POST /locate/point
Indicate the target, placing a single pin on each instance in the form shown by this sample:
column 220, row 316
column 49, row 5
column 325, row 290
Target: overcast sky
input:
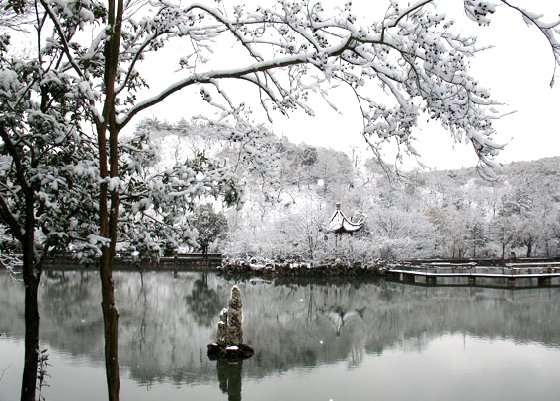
column 517, row 70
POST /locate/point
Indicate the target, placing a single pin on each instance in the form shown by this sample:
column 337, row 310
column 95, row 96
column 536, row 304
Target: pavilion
column 340, row 224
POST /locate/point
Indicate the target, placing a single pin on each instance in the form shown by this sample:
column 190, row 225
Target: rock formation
column 221, row 335
column 229, row 336
column 234, row 318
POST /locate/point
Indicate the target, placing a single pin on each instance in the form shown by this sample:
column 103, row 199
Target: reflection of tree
column 2, row 372
column 63, row 291
column 140, row 336
column 204, row 303
column 70, row 306
column 356, row 356
column 288, row 325
column 229, row 378
column 311, row 307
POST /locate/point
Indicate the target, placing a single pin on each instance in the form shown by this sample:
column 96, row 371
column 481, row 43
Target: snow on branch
column 550, row 30
column 11, row 262
column 423, row 65
column 410, row 63
column 478, row 11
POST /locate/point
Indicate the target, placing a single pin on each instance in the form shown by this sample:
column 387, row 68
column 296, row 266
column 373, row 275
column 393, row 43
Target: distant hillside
column 290, row 191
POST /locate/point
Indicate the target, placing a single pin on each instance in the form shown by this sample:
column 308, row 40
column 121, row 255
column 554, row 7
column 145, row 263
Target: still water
column 314, row 341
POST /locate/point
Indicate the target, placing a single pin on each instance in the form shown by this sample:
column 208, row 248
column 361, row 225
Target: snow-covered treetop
column 409, row 62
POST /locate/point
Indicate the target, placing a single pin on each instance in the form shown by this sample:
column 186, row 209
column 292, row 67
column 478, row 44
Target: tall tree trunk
column 110, row 310
column 108, row 222
column 108, row 304
column 31, row 279
column 31, row 269
column 108, row 166
column 111, row 325
column 29, row 379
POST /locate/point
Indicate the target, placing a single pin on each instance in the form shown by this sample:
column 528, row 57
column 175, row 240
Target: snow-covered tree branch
column 409, row 63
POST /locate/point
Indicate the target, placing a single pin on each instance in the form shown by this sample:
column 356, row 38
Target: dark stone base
column 217, row 351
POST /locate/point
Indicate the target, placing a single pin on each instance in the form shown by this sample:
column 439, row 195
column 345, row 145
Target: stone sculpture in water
column 229, row 341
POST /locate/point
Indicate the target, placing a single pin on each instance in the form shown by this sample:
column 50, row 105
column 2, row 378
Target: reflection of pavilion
column 338, row 317
column 340, row 224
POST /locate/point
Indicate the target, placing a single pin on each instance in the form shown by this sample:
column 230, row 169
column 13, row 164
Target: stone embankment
column 178, row 262
column 294, row 269
column 339, row 268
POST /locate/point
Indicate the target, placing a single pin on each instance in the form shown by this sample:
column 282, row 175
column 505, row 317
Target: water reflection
column 167, row 319
column 229, row 378
column 204, row 302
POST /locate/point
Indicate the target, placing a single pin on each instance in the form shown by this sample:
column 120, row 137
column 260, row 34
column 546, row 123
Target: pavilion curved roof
column 339, row 223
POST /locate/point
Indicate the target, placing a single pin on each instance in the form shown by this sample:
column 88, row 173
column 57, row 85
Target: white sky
column 517, row 71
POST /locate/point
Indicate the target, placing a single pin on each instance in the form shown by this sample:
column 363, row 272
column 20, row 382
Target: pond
column 315, row 341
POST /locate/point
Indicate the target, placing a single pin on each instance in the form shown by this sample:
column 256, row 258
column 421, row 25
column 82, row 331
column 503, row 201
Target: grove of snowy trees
column 447, row 214
column 73, row 77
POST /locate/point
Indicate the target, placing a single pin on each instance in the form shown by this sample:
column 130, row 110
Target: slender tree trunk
column 110, row 310
column 529, row 249
column 31, row 279
column 111, row 325
column 108, row 304
column 108, row 166
column 29, row 379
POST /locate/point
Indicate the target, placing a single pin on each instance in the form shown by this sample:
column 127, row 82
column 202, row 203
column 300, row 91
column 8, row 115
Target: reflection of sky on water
column 314, row 342
column 451, row 367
